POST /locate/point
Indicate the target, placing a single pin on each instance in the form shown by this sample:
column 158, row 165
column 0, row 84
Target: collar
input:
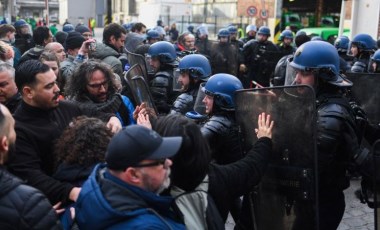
column 35, row 111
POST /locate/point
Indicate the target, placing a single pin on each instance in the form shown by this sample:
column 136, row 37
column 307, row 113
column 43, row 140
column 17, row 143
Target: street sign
column 251, row 11
column 263, row 13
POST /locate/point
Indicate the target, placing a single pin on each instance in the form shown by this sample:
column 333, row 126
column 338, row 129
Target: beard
column 147, row 181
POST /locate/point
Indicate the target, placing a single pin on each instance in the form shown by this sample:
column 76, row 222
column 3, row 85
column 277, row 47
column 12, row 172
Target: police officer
column 280, row 70
column 341, row 44
column 152, row 36
column 194, row 69
column 286, row 45
column 202, row 43
column 361, row 48
column 316, row 64
column 224, row 55
column 234, row 37
column 23, row 37
column 163, row 60
column 260, row 57
column 250, row 30
column 374, row 65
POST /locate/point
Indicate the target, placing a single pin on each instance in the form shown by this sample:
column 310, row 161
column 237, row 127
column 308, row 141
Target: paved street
column 356, row 217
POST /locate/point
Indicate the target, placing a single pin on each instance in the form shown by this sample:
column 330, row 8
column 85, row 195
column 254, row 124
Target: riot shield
column 286, row 197
column 365, row 91
column 134, row 59
column 376, row 160
column 199, row 109
column 138, row 88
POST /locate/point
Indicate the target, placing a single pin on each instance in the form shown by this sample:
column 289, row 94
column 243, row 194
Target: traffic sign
column 263, row 13
column 251, row 11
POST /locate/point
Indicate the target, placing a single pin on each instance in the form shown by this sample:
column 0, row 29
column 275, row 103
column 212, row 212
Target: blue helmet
column 232, row 29
column 190, row 28
column 68, row 28
column 376, row 56
column 128, row 26
column 321, row 58
column 164, row 51
column 223, row 33
column 264, row 30
column 341, row 43
column 286, row 34
column 197, row 65
column 300, row 32
column 202, row 30
column 152, row 34
column 222, row 87
column 250, row 28
column 364, row 42
column 20, row 23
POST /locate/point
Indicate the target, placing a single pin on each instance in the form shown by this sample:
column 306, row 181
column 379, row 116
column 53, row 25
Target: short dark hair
column 5, row 28
column 113, row 29
column 27, row 71
column 83, row 143
column 40, row 34
column 76, row 87
column 138, row 27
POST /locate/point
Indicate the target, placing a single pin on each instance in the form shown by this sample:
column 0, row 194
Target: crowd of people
column 79, row 150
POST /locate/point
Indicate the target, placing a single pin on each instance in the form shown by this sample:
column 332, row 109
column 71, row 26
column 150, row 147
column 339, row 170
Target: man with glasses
column 123, row 193
column 84, row 31
column 92, row 86
column 40, row 120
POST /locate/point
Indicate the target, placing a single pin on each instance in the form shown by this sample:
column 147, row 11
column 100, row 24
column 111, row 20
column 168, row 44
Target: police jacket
column 37, row 129
column 24, row 207
column 222, row 134
column 224, row 58
column 334, row 121
column 185, row 101
column 108, row 55
column 161, row 87
column 113, row 204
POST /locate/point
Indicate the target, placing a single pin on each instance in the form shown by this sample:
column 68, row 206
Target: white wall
column 365, row 17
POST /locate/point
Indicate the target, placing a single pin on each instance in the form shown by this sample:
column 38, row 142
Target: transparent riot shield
column 286, row 197
column 177, row 87
column 199, row 110
column 138, row 88
column 376, row 160
column 365, row 91
column 134, row 59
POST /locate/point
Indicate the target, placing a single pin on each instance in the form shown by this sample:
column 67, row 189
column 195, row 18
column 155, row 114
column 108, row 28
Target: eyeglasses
column 156, row 163
column 99, row 85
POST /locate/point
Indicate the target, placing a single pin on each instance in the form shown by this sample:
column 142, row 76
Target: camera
column 92, row 46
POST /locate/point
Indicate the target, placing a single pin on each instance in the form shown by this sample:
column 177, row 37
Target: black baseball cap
column 136, row 143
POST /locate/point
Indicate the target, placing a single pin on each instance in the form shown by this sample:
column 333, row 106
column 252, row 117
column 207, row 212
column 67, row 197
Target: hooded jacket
column 108, row 55
column 113, row 204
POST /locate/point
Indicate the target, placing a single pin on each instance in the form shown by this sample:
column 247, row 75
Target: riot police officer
column 316, row 64
column 202, row 43
column 286, row 45
column 224, row 55
column 374, row 65
column 361, row 48
column 23, row 38
column 233, row 37
column 152, row 36
column 341, row 44
column 163, row 60
column 260, row 57
column 251, row 31
column 193, row 69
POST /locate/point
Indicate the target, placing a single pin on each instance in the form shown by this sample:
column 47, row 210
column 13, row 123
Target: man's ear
column 4, row 145
column 112, row 39
column 132, row 176
column 27, row 91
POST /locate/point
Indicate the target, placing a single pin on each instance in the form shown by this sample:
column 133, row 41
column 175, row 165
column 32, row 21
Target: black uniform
column 260, row 59
column 185, row 101
column 224, row 58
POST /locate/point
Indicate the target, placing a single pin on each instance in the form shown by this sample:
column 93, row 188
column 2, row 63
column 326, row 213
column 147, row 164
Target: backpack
column 198, row 207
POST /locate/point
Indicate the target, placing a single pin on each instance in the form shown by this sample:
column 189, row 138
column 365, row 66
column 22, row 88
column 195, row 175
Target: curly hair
column 76, row 86
column 84, row 142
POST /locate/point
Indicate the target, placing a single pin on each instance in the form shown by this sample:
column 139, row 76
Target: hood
column 102, row 51
column 125, row 203
column 75, row 173
column 132, row 41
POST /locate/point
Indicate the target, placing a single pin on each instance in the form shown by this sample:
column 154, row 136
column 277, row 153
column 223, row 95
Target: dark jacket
column 13, row 103
column 33, row 160
column 24, row 207
column 228, row 182
column 32, row 54
column 110, row 203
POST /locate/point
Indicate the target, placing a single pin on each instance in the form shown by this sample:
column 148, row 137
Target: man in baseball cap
column 124, row 191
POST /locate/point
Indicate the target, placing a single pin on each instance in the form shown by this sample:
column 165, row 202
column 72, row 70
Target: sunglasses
column 156, row 163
